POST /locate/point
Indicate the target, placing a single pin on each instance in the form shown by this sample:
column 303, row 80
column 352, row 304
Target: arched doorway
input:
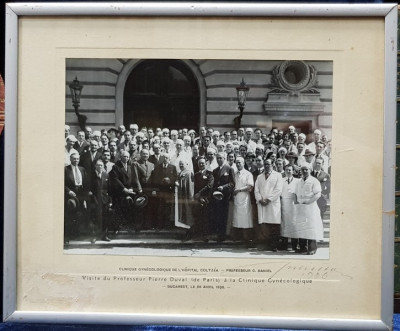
column 162, row 93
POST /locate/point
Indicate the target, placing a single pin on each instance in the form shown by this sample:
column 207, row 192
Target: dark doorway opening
column 162, row 93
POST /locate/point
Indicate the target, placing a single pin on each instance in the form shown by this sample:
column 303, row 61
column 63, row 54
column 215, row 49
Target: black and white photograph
column 200, row 158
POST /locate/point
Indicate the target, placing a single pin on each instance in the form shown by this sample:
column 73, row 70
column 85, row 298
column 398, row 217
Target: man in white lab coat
column 267, row 191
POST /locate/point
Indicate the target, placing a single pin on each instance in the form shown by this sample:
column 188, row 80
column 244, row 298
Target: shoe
column 105, row 238
column 250, row 244
column 93, row 240
column 66, row 242
column 312, row 252
column 274, row 249
column 301, row 250
column 262, row 247
column 220, row 239
column 203, row 239
column 187, row 237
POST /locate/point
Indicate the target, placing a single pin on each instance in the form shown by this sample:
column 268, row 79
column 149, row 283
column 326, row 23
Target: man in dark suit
column 114, row 154
column 206, row 142
column 144, row 168
column 76, row 194
column 157, row 158
column 203, row 183
column 164, row 178
column 195, row 158
column 101, row 202
column 106, row 156
column 325, row 181
column 89, row 158
column 124, row 185
column 81, row 145
column 250, row 162
column 224, row 183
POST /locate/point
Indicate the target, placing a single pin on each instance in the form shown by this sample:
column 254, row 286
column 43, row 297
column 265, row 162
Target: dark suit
column 203, row 183
column 145, row 217
column 223, row 176
column 325, row 181
column 69, row 182
column 153, row 159
column 165, row 194
column 88, row 164
column 114, row 157
column 203, row 150
column 252, row 167
column 160, row 173
column 81, row 148
column 144, row 172
column 75, row 211
column 123, row 179
column 100, row 188
column 195, row 160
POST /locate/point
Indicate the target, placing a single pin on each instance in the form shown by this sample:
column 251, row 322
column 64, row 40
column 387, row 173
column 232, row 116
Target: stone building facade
column 192, row 93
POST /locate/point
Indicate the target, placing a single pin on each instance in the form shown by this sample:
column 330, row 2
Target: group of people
column 259, row 187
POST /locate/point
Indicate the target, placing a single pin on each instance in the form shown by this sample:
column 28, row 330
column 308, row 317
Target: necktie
column 105, row 167
column 78, row 179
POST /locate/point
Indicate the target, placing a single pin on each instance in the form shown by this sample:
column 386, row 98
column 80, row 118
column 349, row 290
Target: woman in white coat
column 267, row 191
column 242, row 220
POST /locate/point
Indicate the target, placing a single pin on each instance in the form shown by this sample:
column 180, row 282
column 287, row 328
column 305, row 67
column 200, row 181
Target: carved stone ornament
column 293, row 89
column 294, row 77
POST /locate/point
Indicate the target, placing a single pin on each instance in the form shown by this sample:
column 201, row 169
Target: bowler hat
column 72, row 203
column 308, row 152
column 292, row 154
column 141, row 200
column 218, row 195
column 128, row 201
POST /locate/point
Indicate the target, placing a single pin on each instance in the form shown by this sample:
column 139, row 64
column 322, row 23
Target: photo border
column 13, row 11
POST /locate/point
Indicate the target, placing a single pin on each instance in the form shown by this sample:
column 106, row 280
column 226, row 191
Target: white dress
column 288, row 225
column 308, row 218
column 242, row 211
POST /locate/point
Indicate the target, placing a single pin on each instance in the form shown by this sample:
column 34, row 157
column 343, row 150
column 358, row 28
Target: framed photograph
column 224, row 164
